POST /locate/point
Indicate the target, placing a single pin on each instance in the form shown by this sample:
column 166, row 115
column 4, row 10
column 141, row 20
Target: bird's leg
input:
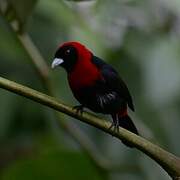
column 79, row 109
column 115, row 122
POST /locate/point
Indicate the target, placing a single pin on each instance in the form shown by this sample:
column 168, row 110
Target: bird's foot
column 114, row 126
column 79, row 109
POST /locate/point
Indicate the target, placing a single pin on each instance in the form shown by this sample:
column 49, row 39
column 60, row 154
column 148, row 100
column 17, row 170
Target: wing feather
column 113, row 80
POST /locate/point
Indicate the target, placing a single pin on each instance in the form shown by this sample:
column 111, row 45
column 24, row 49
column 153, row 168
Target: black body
column 108, row 95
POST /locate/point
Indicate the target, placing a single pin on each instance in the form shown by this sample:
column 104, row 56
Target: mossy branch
column 169, row 162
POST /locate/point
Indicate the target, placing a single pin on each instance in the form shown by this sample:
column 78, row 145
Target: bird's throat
column 84, row 74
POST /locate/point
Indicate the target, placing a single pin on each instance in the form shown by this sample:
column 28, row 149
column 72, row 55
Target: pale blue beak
column 56, row 62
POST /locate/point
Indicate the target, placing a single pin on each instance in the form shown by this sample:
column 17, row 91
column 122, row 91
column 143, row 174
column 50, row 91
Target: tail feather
column 126, row 123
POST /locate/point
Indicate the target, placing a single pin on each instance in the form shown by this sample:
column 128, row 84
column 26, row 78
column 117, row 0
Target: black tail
column 126, row 123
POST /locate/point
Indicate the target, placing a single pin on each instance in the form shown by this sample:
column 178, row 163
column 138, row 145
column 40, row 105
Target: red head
column 68, row 55
column 75, row 58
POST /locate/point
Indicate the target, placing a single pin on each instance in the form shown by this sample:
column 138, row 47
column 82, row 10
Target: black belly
column 100, row 100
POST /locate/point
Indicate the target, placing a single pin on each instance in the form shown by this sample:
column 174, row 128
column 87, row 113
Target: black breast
column 100, row 99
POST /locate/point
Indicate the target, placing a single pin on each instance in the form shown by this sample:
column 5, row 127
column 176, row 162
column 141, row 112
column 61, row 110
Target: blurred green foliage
column 139, row 38
column 20, row 13
column 54, row 164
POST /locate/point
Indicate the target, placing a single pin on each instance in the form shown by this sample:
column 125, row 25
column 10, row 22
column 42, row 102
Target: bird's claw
column 79, row 109
column 115, row 126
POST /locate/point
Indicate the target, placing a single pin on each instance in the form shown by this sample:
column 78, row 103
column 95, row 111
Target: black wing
column 113, row 80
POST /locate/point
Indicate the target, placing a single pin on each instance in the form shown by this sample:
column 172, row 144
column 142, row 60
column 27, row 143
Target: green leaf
column 53, row 165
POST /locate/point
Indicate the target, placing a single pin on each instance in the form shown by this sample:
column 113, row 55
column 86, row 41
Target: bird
column 96, row 84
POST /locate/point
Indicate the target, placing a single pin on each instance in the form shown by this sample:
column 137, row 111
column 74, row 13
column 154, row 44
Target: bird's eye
column 67, row 52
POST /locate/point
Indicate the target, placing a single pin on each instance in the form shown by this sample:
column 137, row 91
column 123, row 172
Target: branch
column 169, row 162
